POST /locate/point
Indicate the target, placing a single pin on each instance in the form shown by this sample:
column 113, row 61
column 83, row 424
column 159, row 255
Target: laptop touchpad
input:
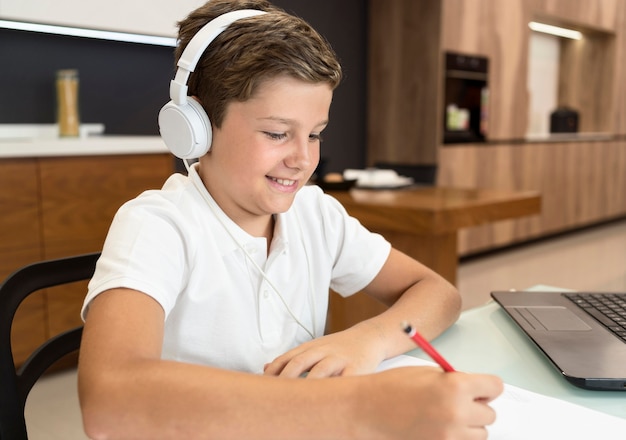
column 556, row 318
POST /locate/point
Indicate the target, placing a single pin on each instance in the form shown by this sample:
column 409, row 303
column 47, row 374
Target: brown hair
column 253, row 50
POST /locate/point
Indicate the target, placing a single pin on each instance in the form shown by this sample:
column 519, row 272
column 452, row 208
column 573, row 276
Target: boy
column 209, row 300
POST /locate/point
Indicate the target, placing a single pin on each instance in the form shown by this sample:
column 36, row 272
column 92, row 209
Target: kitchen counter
column 58, row 198
column 104, row 145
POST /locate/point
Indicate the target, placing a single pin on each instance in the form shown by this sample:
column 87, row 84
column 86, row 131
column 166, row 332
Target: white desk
column 486, row 340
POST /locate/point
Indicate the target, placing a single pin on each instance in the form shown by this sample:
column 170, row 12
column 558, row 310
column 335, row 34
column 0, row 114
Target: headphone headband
column 197, row 45
column 183, row 123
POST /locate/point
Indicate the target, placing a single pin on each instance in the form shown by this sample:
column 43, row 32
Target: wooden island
column 424, row 223
column 57, row 198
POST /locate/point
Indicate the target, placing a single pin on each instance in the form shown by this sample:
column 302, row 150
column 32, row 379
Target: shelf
column 570, row 137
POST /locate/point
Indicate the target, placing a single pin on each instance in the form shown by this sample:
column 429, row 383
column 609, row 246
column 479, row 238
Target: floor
column 592, row 259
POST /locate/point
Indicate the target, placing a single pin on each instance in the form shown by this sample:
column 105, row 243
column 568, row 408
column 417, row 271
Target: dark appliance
column 466, row 97
column 564, row 120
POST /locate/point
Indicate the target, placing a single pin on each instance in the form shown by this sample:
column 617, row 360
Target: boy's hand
column 345, row 353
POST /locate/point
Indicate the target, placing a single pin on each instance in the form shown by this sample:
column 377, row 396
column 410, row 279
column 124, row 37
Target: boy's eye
column 316, row 137
column 275, row 136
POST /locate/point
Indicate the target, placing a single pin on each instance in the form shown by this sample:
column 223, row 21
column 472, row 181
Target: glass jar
column 67, row 102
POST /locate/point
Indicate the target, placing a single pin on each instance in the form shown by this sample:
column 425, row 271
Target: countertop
column 81, row 146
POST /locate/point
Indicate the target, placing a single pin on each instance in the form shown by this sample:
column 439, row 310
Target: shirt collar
column 231, row 231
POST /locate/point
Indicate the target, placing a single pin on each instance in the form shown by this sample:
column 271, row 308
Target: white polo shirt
column 197, row 264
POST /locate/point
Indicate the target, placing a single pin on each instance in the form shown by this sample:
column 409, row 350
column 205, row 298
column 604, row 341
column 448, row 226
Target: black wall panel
column 123, row 85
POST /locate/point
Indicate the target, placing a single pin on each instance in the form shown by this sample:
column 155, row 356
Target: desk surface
column 435, row 209
column 486, row 340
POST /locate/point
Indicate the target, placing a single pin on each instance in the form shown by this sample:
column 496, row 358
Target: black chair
column 15, row 385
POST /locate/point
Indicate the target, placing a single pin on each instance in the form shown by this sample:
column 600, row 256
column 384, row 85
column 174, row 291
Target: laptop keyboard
column 609, row 309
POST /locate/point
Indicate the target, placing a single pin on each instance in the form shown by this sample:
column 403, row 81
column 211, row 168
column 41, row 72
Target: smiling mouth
column 284, row 182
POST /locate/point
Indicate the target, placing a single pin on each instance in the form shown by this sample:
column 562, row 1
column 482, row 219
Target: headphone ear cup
column 185, row 129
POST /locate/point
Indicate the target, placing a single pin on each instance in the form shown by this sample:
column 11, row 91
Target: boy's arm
column 413, row 292
column 127, row 391
column 416, row 294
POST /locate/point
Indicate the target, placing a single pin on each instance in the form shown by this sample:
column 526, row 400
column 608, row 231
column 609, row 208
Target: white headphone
column 183, row 123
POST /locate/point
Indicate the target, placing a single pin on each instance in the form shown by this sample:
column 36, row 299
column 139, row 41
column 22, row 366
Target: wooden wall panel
column 499, row 31
column 618, row 85
column 404, row 79
column 581, row 183
column 585, row 69
column 592, row 69
column 596, row 14
column 19, row 205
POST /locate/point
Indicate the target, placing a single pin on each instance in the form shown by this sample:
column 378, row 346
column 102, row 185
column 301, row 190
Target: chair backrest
column 16, row 384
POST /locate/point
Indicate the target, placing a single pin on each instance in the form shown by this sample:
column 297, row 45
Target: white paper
column 526, row 415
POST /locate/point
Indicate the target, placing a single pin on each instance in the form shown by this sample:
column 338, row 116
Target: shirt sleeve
column 143, row 251
column 358, row 254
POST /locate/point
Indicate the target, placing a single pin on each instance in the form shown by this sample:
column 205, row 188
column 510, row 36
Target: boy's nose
column 301, row 155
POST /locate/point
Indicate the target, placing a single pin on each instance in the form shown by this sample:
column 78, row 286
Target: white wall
column 543, row 77
column 152, row 17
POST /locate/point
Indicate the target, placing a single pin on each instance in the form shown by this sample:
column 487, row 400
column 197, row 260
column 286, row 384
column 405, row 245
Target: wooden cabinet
column 20, row 244
column 581, row 183
column 580, row 180
column 59, row 206
column 403, row 81
column 499, row 30
column 407, row 40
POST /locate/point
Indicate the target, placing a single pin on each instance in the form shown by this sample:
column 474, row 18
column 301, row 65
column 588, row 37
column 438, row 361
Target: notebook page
column 523, row 414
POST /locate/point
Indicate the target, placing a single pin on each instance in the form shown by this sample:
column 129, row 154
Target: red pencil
column 429, row 349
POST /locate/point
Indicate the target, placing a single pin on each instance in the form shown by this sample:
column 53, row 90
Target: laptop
column 582, row 333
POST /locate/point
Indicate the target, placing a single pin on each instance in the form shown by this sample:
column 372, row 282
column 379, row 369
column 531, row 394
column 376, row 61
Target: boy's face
column 267, row 148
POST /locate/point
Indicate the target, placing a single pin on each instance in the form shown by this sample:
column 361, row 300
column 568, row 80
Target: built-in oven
column 466, row 96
